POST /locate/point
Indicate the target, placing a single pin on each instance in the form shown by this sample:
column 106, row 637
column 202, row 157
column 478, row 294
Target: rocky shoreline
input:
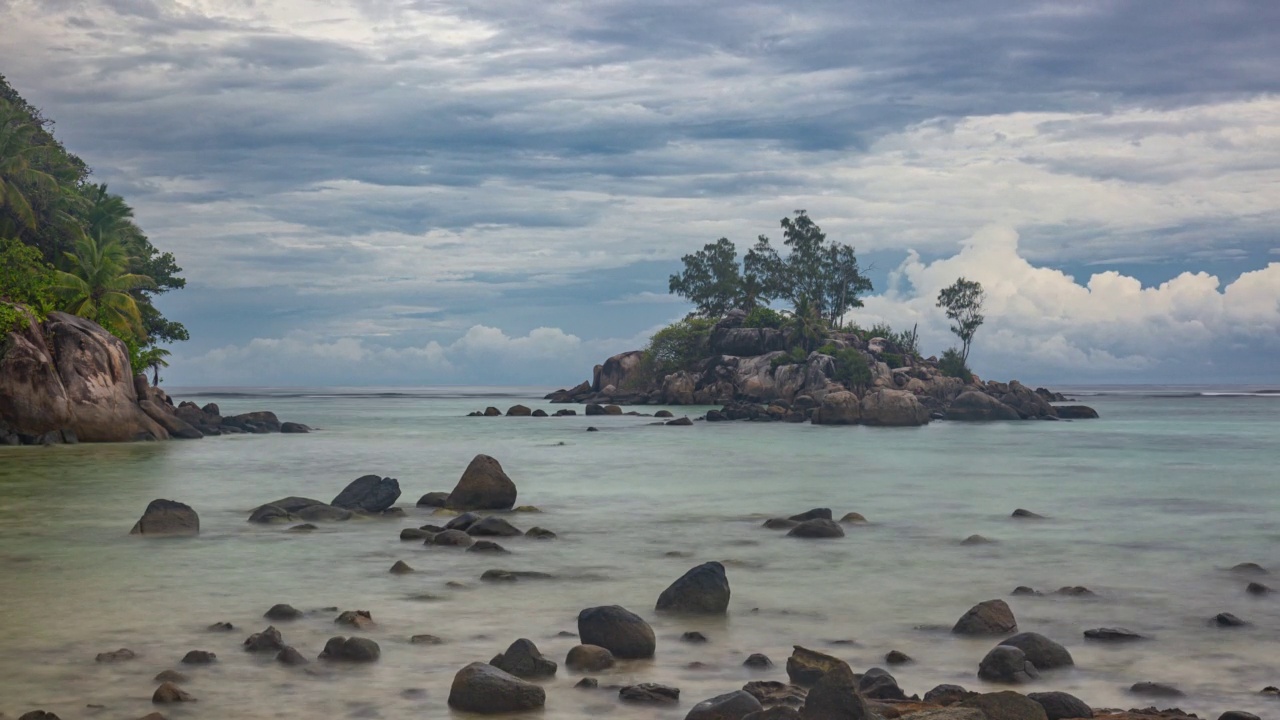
column 68, row 380
column 614, row 647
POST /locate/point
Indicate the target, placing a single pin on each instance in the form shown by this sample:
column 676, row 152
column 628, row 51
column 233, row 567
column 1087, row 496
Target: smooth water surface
column 1148, row 507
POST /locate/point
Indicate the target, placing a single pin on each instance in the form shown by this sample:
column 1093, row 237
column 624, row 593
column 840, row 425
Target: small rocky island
column 750, row 372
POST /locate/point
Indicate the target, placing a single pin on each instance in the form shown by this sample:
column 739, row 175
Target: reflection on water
column 1147, row 507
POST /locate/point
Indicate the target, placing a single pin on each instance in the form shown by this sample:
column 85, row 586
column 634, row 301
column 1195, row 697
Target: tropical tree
column 808, row 328
column 153, row 358
column 825, row 274
column 98, row 286
column 963, row 302
column 20, row 173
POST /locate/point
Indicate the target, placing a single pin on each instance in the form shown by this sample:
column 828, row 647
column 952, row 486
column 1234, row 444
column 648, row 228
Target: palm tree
column 98, row 286
column 154, row 358
column 20, row 150
column 105, row 215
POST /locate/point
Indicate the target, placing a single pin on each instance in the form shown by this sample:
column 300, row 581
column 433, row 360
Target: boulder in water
column 1042, row 652
column 806, row 667
column 702, row 590
column 483, row 689
column 588, row 658
column 170, row 693
column 492, row 526
column 992, row 617
column 1112, row 635
column 368, row 493
column 817, row 528
column 281, row 611
column 836, row 697
column 1006, row 705
column 650, row 694
column 167, row 518
column 618, row 630
column 974, row 405
column 268, row 640
column 1155, row 689
column 1061, row 706
column 433, row 499
column 352, row 649
column 524, row 660
column 730, row 706
column 483, row 486
column 1007, row 664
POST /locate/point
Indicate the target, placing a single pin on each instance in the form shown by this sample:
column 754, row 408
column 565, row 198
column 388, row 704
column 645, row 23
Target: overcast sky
column 412, row 192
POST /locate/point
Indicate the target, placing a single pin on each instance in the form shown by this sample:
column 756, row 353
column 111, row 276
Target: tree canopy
column 963, row 302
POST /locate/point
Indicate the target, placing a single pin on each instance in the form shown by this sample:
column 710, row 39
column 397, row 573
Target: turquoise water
column 1147, row 506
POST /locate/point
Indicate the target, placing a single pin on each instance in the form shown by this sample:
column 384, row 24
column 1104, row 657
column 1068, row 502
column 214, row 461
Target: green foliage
column 893, row 360
column 25, row 279
column 764, row 317
column 852, row 368
column 952, row 364
column 808, row 329
column 98, row 287
column 907, row 342
column 794, row 356
column 679, row 346
column 142, row 359
column 963, row 303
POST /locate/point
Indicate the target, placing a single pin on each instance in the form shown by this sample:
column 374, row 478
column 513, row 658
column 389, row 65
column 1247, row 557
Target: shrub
column 794, row 356
column 852, row 368
column 678, row 346
column 893, row 360
column 763, row 317
column 952, row 364
column 25, row 279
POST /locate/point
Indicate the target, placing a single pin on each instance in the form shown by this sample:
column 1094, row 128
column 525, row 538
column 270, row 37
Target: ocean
column 1148, row 506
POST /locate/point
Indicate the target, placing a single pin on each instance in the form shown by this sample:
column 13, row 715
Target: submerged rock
column 167, row 518
column 974, row 405
column 1007, row 664
column 730, row 706
column 817, row 528
column 878, row 684
column 268, row 640
column 289, row 655
column 758, row 661
column 281, row 611
column 199, row 657
column 483, row 486
column 702, row 590
column 492, row 526
column 836, row 697
column 368, row 493
column 1061, row 706
column 352, row 649
column 523, row 659
column 618, row 630
column 588, row 658
column 115, row 656
column 650, row 694
column 1042, row 652
column 992, row 617
column 1154, row 689
column 486, row 690
column 170, row 693
column 1112, row 635
column 1024, row 514
column 806, row 667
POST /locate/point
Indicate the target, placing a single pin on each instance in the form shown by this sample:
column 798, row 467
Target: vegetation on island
column 70, row 244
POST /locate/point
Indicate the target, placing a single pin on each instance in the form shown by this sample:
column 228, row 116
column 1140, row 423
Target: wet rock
column 1256, row 588
column 772, row 693
column 650, row 694
column 593, row 429
column 1007, row 664
column 1060, row 705
column 1026, row 515
column 433, row 500
column 293, row 428
column 618, row 630
column 853, row 517
column 492, row 526
column 780, row 524
column 587, row 683
column 199, row 657
column 170, row 693
column 303, row 528
column 451, row 538
column 730, row 706
column 1228, row 620
column 1075, row 591
column 806, row 667
column 291, row 504
column 115, row 656
column 950, row 713
column 992, row 617
column 1112, row 635
column 281, row 611
column 895, row 657
column 537, row 533
column 492, row 411
column 519, row 411
column 268, row 640
column 780, row 712
column 1006, row 705
column 352, row 649
column 693, row 636
column 221, row 627
column 170, row 676
column 814, row 514
column 976, row 406
column 269, row 514
column 462, row 521
column 41, row 715
column 523, row 660
column 878, row 684
column 486, row 690
column 1042, row 652
column 497, row 575
column 1249, row 568
column 818, row 528
column 324, row 513
column 977, row 540
column 368, row 493
column 836, row 697
column 1024, row 590
column 415, row 534
column 486, row 546
column 588, row 658
column 359, row 619
column 167, row 518
column 289, row 655
column 1155, row 689
column 758, row 661
column 425, row 639
column 946, row 694
column 702, row 590
column 1235, row 715
column 679, row 422
column 483, row 486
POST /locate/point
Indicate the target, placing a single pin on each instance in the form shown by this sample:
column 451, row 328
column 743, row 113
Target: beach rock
column 730, row 706
column 1061, row 706
column 1042, row 652
column 269, row 514
column 324, row 513
column 199, row 657
column 167, row 518
column 1024, row 514
column 433, row 500
column 893, row 408
column 663, row 414
column 221, row 627
column 977, row 540
column 1112, row 635
column 1256, row 588
column 293, row 428
column 818, row 528
column 780, row 524
column 462, row 522
column 359, row 619
column 587, row 683
column 1076, row 412
column 895, row 657
column 1006, row 705
column 814, row 514
column 1154, row 689
column 523, row 660
column 492, row 526
column 45, row 715
column 537, row 533
column 693, row 636
column 1249, row 568
column 425, row 639
column 974, row 405
column 1006, row 664
column 492, row 411
column 806, row 667
column 853, row 517
column 1024, row 590
column 839, row 408
column 835, row 697
column 291, row 504
column 650, row 694
column 618, row 630
column 758, row 661
column 483, row 486
column 281, row 611
column 950, row 713
column 948, row 695
column 451, row 538
column 702, row 590
column 588, row 658
column 487, row 546
column 1228, row 620
column 172, row 676
column 170, row 693
column 369, row 493
column 772, row 693
column 352, row 649
column 303, row 528
column 519, row 411
column 1074, row 591
column 415, row 534
column 1234, row 715
column 268, row 640
column 289, row 655
column 992, row 617
column 878, row 684
column 679, row 422
column 779, row 712
column 497, row 575
column 483, row 689
column 539, row 413
column 115, row 656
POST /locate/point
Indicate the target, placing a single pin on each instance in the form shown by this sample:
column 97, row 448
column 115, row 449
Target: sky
column 424, row 192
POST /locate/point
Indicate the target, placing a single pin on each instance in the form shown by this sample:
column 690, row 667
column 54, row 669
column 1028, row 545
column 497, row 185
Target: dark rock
column 304, row 527
column 483, row 486
column 462, row 522
column 221, row 627
column 853, row 517
column 496, row 575
column 359, row 619
column 663, row 414
column 895, row 657
column 588, row 658
column 1042, row 652
column 771, row 693
column 289, row 655
column 425, row 639
column 451, row 538
column 352, row 649
column 293, row 428
column 1007, row 664
column 115, row 656
column 593, row 429
column 1060, row 705
column 170, row 693
column 587, row 683
column 291, row 504
column 321, row 512
column 167, row 517
column 268, row 640
column 1256, row 588
column 492, row 526
column 1154, row 689
column 1235, row 715
column 1228, row 620
column 486, row 690
column 492, row 412
column 612, row 410
column 836, row 697
column 650, row 694
column 878, row 684
column 1006, row 705
column 1112, row 635
column 779, row 712
column 368, row 493
column 814, row 514
column 199, row 657
column 519, row 411
column 523, row 660
column 730, row 706
column 977, row 540
column 415, row 534
column 1249, row 568
column 679, row 422
column 703, row 589
column 618, row 630
column 594, row 409
column 780, row 524
column 537, row 533
column 172, row 676
column 1024, row 590
column 433, row 500
column 44, row 715
column 487, row 546
column 818, row 528
column 758, row 661
column 269, row 514
column 693, row 636
column 806, row 667
column 282, row 611
column 1076, row 412
column 976, row 406
column 992, row 617
column 1026, row 514
column 1075, row 591
column 948, row 695
column 539, row 413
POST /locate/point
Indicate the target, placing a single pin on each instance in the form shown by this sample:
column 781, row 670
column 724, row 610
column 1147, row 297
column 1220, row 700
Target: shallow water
column 1147, row 507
